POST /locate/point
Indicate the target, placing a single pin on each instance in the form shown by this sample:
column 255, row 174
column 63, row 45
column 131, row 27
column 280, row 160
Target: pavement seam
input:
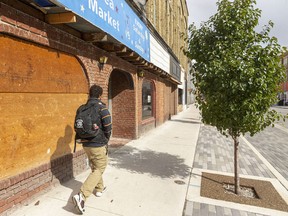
column 281, row 128
column 191, row 170
column 280, row 178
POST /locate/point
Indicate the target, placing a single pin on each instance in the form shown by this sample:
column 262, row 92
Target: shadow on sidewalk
column 195, row 121
column 155, row 164
column 75, row 186
column 62, row 166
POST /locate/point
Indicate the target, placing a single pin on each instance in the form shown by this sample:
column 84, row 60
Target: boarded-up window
column 40, row 90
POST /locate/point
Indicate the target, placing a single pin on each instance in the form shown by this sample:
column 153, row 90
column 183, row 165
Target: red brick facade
column 49, row 162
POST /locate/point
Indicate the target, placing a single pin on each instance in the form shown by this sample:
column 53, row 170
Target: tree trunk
column 236, row 165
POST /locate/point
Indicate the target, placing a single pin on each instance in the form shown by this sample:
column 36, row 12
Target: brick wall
column 123, row 105
column 20, row 189
column 163, row 109
column 20, row 21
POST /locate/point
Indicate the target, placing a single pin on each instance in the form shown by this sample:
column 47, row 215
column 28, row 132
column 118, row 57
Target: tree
column 237, row 71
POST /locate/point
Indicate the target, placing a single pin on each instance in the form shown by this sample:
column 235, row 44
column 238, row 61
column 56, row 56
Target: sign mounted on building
column 158, row 55
column 117, row 19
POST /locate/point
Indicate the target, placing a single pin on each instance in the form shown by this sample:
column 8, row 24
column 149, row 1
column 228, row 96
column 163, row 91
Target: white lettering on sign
column 139, row 47
column 137, row 27
column 105, row 15
column 110, row 3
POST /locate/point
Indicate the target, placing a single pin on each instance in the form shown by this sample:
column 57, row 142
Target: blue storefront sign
column 117, row 19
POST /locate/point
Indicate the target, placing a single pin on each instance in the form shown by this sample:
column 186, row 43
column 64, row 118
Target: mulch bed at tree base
column 212, row 187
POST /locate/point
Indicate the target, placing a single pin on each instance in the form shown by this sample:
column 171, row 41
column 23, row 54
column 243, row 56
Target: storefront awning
column 110, row 25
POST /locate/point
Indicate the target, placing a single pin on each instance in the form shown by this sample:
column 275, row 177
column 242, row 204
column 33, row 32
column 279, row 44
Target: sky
column 274, row 10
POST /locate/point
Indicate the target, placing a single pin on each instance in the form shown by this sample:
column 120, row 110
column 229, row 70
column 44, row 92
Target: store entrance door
column 121, row 97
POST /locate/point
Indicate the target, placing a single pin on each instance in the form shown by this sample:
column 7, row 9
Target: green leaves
column 237, row 70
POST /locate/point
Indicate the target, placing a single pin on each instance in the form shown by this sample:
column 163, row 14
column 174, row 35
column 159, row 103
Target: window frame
column 150, row 102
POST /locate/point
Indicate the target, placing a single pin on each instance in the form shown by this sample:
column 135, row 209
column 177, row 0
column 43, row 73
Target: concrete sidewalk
column 160, row 174
column 148, row 176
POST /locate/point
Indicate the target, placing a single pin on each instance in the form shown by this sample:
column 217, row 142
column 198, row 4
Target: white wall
column 158, row 55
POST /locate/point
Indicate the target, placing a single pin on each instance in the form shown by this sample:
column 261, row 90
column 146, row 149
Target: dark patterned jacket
column 105, row 125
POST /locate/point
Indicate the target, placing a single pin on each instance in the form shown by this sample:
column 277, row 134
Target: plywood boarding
column 26, row 67
column 40, row 90
column 35, row 128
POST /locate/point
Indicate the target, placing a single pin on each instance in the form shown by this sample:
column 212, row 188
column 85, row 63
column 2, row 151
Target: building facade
column 190, row 86
column 51, row 52
column 170, row 19
column 284, row 87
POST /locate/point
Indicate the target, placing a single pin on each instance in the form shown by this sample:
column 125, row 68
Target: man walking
column 96, row 149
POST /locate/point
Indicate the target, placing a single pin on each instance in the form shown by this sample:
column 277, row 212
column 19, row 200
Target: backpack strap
column 74, row 150
column 97, row 107
column 85, row 107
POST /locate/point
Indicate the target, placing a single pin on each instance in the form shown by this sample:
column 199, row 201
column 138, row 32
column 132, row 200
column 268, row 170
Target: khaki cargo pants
column 98, row 158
